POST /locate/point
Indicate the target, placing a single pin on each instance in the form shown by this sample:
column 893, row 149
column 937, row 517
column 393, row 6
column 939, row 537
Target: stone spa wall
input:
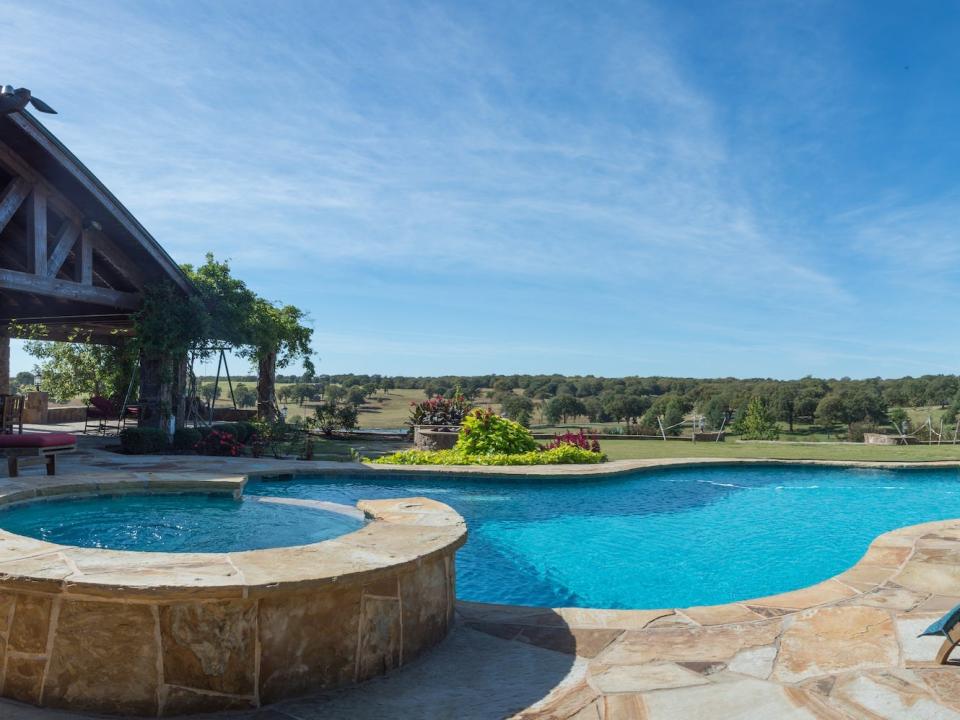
column 153, row 634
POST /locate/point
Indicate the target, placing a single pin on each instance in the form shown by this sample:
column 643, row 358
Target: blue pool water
column 175, row 523
column 667, row 538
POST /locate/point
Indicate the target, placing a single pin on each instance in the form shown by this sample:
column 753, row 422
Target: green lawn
column 643, row 449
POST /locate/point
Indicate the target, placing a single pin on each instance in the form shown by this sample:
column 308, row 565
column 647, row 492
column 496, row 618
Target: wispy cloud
column 591, row 153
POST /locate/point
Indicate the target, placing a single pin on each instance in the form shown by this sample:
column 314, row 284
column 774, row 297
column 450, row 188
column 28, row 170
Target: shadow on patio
column 485, row 670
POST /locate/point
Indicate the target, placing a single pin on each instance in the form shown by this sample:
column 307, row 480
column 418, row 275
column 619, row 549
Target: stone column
column 4, row 362
column 155, row 390
column 266, row 386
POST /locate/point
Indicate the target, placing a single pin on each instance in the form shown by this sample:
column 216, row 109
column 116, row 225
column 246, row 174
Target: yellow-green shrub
column 562, row 455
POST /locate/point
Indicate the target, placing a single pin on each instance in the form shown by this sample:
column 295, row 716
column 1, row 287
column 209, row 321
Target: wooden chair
column 11, row 414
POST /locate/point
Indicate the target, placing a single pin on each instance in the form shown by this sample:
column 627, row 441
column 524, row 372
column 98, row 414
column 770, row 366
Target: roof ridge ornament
column 12, row 101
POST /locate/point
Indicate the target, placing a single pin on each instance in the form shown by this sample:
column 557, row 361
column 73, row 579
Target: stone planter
column 435, row 437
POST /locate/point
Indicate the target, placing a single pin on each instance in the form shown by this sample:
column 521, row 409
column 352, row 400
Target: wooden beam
column 45, row 139
column 83, row 268
column 66, row 238
column 116, row 257
column 67, row 290
column 70, row 332
column 13, row 196
column 37, row 232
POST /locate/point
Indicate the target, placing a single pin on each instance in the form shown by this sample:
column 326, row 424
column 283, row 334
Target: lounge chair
column 949, row 627
column 35, row 446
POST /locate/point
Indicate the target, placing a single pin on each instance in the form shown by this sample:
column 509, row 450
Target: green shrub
column 185, row 440
column 143, row 441
column 562, row 455
column 245, row 430
column 483, row 432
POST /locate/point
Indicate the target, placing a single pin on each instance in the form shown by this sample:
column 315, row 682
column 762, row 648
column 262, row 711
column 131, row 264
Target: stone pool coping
column 620, row 467
column 401, row 534
column 845, row 647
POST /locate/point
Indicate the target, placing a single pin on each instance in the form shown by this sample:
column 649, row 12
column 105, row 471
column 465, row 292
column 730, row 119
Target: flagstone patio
column 845, row 648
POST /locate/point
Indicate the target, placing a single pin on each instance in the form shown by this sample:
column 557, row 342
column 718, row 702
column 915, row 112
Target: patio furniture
column 28, row 447
column 103, row 412
column 11, row 414
column 949, row 627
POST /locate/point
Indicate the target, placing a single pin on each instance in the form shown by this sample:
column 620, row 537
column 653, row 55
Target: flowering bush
column 439, row 410
column 483, row 432
column 577, row 439
column 218, row 442
column 563, row 455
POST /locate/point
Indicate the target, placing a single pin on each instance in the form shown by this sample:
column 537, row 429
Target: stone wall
column 136, row 634
column 66, row 414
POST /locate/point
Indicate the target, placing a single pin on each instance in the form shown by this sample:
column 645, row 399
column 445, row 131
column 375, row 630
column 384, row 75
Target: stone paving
column 843, row 649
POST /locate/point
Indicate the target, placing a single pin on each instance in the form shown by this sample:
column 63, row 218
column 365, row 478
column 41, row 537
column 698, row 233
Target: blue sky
column 708, row 189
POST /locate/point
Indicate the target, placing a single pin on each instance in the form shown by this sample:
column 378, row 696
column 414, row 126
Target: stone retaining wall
column 170, row 633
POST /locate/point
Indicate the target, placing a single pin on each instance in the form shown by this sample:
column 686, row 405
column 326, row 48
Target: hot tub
column 165, row 633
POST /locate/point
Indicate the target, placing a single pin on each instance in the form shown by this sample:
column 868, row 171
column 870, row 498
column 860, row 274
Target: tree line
column 640, row 401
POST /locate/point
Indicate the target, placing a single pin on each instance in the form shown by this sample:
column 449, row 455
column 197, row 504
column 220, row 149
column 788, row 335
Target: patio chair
column 949, row 627
column 103, row 412
column 11, row 414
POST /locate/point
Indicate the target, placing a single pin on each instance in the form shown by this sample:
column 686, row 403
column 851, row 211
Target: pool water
column 655, row 539
column 175, row 523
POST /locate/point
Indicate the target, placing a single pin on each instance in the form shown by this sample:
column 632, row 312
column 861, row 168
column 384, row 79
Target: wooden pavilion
column 72, row 257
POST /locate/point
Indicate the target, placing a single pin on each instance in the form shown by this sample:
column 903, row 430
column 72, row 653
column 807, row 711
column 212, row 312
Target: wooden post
column 4, row 362
column 266, row 385
column 179, row 391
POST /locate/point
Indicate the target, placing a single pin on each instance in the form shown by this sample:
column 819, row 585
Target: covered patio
column 74, row 262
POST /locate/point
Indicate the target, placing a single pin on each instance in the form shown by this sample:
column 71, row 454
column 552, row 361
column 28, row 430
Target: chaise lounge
column 35, row 446
column 949, row 627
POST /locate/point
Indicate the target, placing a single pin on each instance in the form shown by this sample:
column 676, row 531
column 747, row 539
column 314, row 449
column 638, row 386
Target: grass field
column 644, row 449
column 385, row 410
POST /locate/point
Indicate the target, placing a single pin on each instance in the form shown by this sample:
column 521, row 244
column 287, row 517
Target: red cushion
column 37, row 440
column 103, row 404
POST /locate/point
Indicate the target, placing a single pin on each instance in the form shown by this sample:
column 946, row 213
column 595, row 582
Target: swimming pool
column 176, row 523
column 660, row 538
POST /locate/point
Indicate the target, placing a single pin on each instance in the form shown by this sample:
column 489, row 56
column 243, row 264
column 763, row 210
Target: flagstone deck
column 845, row 648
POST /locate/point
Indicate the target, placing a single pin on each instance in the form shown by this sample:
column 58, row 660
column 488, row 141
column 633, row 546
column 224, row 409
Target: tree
column 832, row 409
column 334, row 393
column 244, row 395
column 757, row 422
column 717, row 412
column 562, row 407
column 634, row 406
column 77, row 370
column 330, row 416
column 519, row 408
column 784, row 404
column 673, row 416
column 356, row 395
column 210, row 392
column 276, row 337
